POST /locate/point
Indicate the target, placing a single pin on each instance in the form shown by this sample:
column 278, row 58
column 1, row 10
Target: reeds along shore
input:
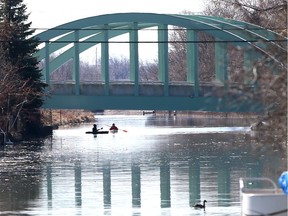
column 57, row 118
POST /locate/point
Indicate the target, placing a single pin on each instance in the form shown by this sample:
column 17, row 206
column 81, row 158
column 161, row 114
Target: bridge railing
column 127, row 88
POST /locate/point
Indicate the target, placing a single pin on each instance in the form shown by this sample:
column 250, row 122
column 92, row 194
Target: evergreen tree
column 19, row 45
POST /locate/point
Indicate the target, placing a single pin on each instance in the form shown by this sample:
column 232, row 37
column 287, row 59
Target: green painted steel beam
column 175, row 20
column 87, row 36
column 163, row 70
column 83, row 46
column 149, row 103
column 47, row 63
column 88, row 32
column 65, row 40
column 256, row 31
column 134, row 57
column 221, row 58
column 105, row 58
column 76, row 65
column 185, row 21
column 192, row 60
column 249, row 63
column 214, row 26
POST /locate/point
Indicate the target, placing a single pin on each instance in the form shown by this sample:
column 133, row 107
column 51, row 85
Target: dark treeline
column 21, row 89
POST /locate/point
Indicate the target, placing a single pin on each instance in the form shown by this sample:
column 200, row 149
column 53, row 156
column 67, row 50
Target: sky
column 48, row 14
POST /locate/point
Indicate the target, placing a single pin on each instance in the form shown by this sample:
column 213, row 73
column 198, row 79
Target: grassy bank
column 72, row 117
column 57, row 118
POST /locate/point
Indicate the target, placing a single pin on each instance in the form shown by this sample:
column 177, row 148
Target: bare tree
column 14, row 92
column 270, row 72
column 270, row 14
column 148, row 71
column 119, row 68
column 178, row 58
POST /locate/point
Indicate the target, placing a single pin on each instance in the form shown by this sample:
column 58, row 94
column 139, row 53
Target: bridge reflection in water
column 194, row 179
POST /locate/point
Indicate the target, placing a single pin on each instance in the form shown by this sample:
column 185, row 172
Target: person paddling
column 113, row 128
column 94, row 129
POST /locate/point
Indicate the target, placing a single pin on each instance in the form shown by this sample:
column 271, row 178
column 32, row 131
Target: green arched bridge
column 191, row 94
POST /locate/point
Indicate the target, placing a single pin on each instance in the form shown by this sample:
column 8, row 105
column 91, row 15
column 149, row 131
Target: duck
column 200, row 205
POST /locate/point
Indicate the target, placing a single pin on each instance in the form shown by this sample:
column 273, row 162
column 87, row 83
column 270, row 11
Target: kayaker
column 113, row 127
column 94, row 129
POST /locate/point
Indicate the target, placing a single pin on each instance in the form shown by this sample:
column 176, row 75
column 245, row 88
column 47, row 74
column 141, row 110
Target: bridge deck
column 150, row 96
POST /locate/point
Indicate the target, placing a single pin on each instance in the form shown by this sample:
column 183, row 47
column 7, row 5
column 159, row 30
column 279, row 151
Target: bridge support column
column 105, row 58
column 221, row 59
column 192, row 60
column 76, row 66
column 134, row 58
column 47, row 64
column 163, row 57
column 249, row 64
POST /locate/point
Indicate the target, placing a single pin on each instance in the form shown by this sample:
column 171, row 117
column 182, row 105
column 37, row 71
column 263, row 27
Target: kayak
column 113, row 131
column 98, row 132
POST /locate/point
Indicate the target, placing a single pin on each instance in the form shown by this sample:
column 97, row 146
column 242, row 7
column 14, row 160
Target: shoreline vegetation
column 260, row 129
column 53, row 119
column 57, row 118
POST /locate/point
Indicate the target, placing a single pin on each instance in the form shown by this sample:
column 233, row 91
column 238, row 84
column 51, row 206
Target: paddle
column 123, row 130
column 100, row 129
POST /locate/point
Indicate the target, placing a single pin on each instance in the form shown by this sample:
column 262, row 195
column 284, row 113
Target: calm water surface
column 153, row 166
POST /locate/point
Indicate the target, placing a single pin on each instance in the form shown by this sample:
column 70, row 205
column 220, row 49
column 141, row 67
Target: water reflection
column 20, row 178
column 136, row 185
column 223, row 181
column 164, row 170
column 49, row 185
column 78, row 184
column 194, row 181
column 205, row 177
column 107, row 184
column 165, row 181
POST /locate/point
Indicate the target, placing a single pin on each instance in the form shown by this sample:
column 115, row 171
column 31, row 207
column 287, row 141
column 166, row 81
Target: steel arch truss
column 84, row 33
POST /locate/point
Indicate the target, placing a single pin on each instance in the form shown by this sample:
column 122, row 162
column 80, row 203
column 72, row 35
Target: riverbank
column 56, row 118
column 199, row 114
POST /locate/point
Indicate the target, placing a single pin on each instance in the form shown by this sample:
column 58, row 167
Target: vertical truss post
column 47, row 65
column 76, row 66
column 221, row 59
column 163, row 57
column 105, row 58
column 134, row 57
column 249, row 64
column 192, row 60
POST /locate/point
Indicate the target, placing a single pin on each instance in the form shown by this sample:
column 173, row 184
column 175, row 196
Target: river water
column 154, row 165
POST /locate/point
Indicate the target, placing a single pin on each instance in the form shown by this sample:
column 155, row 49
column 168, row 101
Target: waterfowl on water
column 200, row 205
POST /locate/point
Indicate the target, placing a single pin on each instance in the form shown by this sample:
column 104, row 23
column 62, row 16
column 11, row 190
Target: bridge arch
column 88, row 32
